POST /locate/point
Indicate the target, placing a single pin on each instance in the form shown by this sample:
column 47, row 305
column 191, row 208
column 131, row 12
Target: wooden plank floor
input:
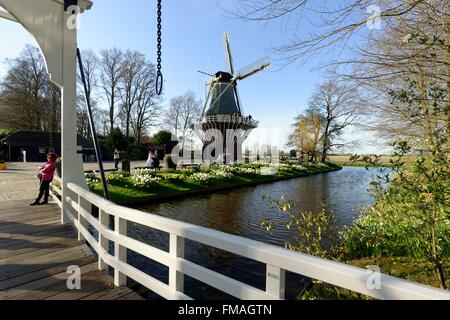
column 35, row 252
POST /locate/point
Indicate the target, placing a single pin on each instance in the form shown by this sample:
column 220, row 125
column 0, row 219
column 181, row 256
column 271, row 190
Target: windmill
column 223, row 110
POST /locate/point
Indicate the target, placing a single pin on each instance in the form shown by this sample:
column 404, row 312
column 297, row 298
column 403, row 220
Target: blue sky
column 192, row 40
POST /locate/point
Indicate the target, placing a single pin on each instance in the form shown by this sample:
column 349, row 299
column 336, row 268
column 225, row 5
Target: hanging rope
column 159, row 75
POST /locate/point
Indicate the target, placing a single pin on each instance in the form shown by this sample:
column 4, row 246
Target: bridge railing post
column 275, row 281
column 176, row 250
column 120, row 252
column 82, row 223
column 79, row 218
column 103, row 218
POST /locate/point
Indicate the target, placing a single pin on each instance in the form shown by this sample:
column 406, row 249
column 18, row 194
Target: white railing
column 277, row 260
column 55, row 190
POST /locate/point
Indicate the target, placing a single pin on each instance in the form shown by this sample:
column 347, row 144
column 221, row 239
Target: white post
column 176, row 250
column 103, row 218
column 80, row 222
column 68, row 113
column 275, row 281
column 56, row 35
column 120, row 227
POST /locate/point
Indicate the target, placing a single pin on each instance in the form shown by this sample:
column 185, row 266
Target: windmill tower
column 222, row 123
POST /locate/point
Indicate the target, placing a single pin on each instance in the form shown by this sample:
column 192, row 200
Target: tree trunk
column 325, row 140
column 111, row 116
column 437, row 262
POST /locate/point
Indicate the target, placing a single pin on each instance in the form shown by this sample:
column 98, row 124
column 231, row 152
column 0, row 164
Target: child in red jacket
column 47, row 171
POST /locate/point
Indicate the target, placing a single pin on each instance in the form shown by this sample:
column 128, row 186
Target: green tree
column 164, row 137
column 116, row 139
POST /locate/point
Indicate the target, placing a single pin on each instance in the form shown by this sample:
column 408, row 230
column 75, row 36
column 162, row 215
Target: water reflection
column 240, row 212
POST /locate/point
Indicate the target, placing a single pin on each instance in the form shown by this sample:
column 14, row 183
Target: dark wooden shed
column 37, row 145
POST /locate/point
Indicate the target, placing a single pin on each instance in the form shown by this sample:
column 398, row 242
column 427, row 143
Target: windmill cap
column 224, row 76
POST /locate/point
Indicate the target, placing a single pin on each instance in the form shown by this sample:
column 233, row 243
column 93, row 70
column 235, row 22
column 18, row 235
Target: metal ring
column 159, row 83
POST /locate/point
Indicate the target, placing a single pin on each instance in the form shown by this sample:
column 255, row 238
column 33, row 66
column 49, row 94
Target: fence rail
column 277, row 260
column 55, row 190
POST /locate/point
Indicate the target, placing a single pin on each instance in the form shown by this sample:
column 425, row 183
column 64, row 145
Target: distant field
column 345, row 160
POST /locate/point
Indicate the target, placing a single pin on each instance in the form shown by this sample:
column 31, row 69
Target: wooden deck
column 35, row 252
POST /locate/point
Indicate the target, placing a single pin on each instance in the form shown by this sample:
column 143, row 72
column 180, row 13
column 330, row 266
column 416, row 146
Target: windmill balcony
column 229, row 118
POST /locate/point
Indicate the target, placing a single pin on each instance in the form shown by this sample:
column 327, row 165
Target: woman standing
column 46, row 173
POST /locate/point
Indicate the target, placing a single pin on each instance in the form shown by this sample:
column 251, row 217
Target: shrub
column 201, row 177
column 171, row 176
column 91, row 179
column 222, row 173
column 412, row 215
column 116, row 178
column 144, row 181
column 145, row 172
column 247, row 171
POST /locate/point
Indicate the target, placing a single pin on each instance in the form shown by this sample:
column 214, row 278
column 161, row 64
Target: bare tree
column 185, row 110
column 172, row 115
column 409, row 58
column 130, row 83
column 306, row 134
column 334, row 22
column 147, row 110
column 111, row 63
column 53, row 103
column 30, row 101
column 82, row 117
column 407, row 51
column 91, row 69
column 337, row 106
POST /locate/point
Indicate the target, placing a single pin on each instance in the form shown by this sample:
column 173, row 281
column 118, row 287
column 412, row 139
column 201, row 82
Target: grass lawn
column 383, row 161
column 126, row 193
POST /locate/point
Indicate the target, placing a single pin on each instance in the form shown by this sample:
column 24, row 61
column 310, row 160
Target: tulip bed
column 146, row 184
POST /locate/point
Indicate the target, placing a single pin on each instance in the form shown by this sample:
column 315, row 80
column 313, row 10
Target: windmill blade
column 238, row 100
column 253, row 68
column 206, row 73
column 228, row 55
column 232, row 83
column 211, row 87
column 213, row 82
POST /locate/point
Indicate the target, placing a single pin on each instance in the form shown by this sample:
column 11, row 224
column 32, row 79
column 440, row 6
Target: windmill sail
column 238, row 100
column 223, row 99
column 253, row 68
column 228, row 55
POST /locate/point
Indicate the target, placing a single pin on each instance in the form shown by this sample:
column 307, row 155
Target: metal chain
column 159, row 76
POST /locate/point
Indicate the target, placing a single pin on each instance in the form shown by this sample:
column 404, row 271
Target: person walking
column 45, row 175
column 116, row 158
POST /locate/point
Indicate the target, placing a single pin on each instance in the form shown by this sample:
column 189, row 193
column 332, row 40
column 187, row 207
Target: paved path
column 20, row 181
column 36, row 251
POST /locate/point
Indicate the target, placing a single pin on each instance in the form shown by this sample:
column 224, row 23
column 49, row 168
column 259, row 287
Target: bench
column 104, row 170
column 157, row 168
column 190, row 165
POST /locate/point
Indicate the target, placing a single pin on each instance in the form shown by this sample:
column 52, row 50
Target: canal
column 240, row 212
